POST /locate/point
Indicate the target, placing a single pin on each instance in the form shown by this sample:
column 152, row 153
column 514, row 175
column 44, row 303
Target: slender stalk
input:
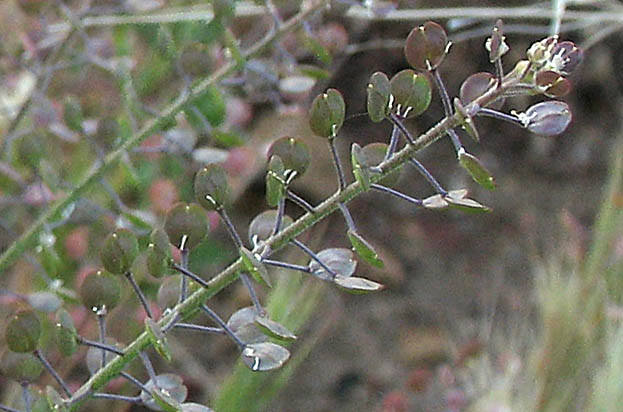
column 486, row 112
column 230, row 228
column 191, row 275
column 281, row 209
column 115, row 397
column 393, row 142
column 149, row 367
column 217, row 283
column 396, row 193
column 7, row 409
column 397, row 121
column 104, row 347
column 166, row 116
column 216, row 318
column 140, row 294
column 313, row 256
column 286, row 265
column 53, row 372
column 341, row 180
column 428, row 176
column 201, row 328
column 135, row 381
column 101, row 322
column 256, row 302
column 183, row 265
column 302, row 203
column 447, row 107
column 350, row 222
column 26, row 397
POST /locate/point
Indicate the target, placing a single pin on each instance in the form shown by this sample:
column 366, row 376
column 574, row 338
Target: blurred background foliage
column 519, row 309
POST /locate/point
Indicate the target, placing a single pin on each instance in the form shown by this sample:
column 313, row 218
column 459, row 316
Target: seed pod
column 327, row 112
column 547, row 118
column 475, row 86
column 477, row 170
column 372, row 155
column 211, row 187
column 566, row 56
column 496, row 44
column 412, row 93
column 426, row 46
column 23, row 332
column 119, row 251
column 275, row 181
column 66, row 335
column 72, row 114
column 21, row 367
column 158, row 253
column 186, row 225
column 379, row 94
column 552, row 84
column 262, row 225
column 293, row 153
column 100, row 290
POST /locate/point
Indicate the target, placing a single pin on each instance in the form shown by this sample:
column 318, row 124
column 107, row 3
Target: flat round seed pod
column 265, row 356
column 100, row 290
column 186, row 225
column 20, row 367
column 23, row 332
column 211, row 187
column 119, row 251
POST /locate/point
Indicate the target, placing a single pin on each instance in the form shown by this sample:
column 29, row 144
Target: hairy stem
column 198, row 296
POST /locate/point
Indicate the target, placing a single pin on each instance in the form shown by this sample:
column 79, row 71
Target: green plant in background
column 144, row 243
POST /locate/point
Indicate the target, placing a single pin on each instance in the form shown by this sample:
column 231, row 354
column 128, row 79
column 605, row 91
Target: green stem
column 167, row 116
column 186, row 309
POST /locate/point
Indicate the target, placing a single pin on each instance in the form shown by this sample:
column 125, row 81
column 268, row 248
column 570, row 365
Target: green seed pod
column 372, row 155
column 379, row 95
column 275, row 181
column 426, row 46
column 23, row 332
column 262, row 225
column 159, row 253
column 119, row 251
column 169, row 292
column 100, row 290
column 293, row 153
column 21, row 367
column 72, row 114
column 211, row 187
column 108, row 131
column 327, row 112
column 66, row 335
column 412, row 93
column 186, row 225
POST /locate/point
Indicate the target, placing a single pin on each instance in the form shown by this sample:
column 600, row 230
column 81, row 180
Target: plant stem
column 447, row 107
column 139, row 293
column 486, row 112
column 393, row 142
column 286, row 265
column 26, row 396
column 101, row 322
column 135, row 381
column 341, row 180
column 299, row 201
column 191, row 275
column 313, row 256
column 396, row 193
column 428, row 176
column 216, row 318
column 183, row 265
column 186, row 309
column 281, row 209
column 53, row 372
column 104, row 347
column 230, row 228
column 114, row 396
column 201, row 328
column 256, row 302
column 7, row 409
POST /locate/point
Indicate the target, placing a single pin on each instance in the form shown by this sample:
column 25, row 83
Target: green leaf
column 477, row 170
column 364, row 249
column 361, row 172
column 256, row 268
column 158, row 339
